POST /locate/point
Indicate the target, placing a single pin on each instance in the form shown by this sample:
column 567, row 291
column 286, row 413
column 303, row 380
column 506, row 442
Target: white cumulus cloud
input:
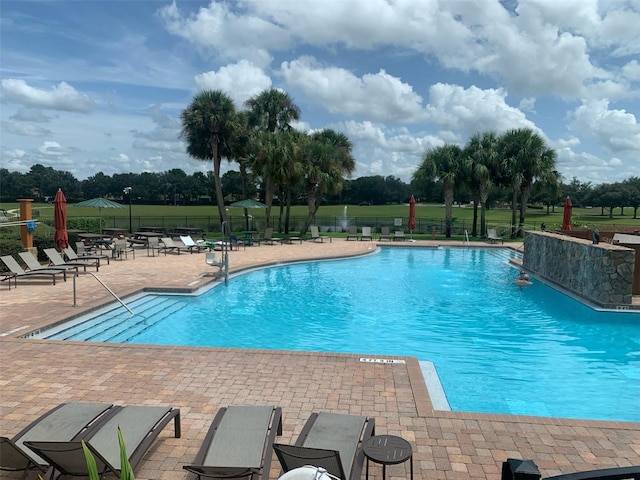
column 60, row 97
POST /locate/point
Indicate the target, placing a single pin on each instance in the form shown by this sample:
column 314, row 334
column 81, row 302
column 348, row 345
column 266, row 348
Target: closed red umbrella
column 566, row 218
column 61, row 237
column 412, row 214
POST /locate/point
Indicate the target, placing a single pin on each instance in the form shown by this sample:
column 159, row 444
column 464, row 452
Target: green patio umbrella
column 100, row 203
column 247, row 204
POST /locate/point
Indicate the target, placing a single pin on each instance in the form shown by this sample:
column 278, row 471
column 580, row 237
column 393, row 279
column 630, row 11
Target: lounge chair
column 332, row 441
column 18, row 272
column 492, row 236
column 399, row 235
column 170, row 246
column 268, row 236
column 385, row 233
column 140, row 426
column 353, row 232
column 616, row 473
column 239, row 443
column 366, row 234
column 32, row 263
column 66, row 422
column 189, row 242
column 9, row 276
column 315, row 235
column 56, row 259
column 72, row 256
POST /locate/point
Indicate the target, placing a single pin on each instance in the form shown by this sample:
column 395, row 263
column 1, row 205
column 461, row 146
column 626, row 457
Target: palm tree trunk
column 268, row 200
column 484, row 196
column 287, row 214
column 448, row 210
column 217, row 161
column 514, row 210
column 474, row 227
column 313, row 208
column 526, row 191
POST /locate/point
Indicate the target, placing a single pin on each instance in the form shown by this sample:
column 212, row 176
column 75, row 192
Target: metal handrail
column 101, row 283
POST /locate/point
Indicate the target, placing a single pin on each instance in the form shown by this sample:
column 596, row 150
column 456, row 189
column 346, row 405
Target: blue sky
column 90, row 86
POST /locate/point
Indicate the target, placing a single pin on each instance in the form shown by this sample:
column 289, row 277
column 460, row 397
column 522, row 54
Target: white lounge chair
column 189, row 242
column 366, row 234
column 492, row 236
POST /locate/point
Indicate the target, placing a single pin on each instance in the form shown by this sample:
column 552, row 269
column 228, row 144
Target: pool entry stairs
column 118, row 325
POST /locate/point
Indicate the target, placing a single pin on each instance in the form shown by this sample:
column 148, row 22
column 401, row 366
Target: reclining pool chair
column 168, row 245
column 56, row 260
column 332, row 441
column 66, row 422
column 239, row 443
column 140, row 426
column 18, row 272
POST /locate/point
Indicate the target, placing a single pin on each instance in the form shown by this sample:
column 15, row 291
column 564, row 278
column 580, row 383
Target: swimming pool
column 497, row 348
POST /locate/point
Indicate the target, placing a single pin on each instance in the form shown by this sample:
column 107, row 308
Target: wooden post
column 25, row 214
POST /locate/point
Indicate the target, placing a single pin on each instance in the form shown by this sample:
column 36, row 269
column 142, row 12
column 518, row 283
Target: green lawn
column 428, row 211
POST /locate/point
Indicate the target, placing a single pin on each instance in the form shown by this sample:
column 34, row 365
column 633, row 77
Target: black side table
column 387, row 450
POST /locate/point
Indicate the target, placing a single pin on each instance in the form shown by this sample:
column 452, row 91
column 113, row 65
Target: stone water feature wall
column 602, row 273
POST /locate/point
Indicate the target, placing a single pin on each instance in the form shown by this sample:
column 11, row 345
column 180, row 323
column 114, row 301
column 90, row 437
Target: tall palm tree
column 445, row 165
column 327, row 159
column 525, row 159
column 274, row 162
column 208, row 124
column 272, row 110
column 481, row 159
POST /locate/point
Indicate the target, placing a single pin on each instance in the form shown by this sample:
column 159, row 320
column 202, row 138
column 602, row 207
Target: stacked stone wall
column 602, row 273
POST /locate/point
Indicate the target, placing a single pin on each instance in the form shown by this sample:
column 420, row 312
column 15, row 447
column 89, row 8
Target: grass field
column 374, row 214
column 581, row 216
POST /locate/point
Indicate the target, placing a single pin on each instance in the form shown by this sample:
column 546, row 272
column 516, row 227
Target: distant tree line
column 175, row 187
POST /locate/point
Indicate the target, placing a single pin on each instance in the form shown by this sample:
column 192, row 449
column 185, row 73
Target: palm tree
column 327, row 158
column 208, row 124
column 272, row 110
column 443, row 164
column 481, row 154
column 525, row 159
column 274, row 162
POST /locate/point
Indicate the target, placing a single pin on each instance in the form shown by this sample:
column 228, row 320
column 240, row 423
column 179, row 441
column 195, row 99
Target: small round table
column 387, row 450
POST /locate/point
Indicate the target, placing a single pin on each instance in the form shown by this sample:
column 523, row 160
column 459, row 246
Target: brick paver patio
column 36, row 375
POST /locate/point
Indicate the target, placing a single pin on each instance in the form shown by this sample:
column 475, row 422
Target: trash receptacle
column 516, row 469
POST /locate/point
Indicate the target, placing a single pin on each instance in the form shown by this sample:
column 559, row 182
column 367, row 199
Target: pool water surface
column 497, row 347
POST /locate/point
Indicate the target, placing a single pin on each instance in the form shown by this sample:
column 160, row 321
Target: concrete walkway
column 36, row 375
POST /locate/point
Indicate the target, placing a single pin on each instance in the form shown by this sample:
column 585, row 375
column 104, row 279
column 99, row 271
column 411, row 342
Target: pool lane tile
column 37, row 375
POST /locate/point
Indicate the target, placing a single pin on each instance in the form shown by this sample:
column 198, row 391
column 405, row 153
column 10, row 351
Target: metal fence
column 239, row 223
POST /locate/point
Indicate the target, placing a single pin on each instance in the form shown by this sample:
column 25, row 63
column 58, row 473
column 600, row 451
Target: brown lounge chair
column 171, row 246
column 140, row 426
column 18, row 272
column 65, row 422
column 239, row 443
column 332, row 441
column 57, row 261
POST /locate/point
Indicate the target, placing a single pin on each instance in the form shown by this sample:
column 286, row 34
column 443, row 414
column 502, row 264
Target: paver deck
column 36, row 375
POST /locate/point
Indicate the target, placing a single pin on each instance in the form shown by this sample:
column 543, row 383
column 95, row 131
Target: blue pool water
column 497, row 348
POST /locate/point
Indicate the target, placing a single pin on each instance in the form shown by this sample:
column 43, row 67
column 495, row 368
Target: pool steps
column 118, row 325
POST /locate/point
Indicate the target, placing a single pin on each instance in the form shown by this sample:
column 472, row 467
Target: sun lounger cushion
column 332, row 441
column 140, row 425
column 239, row 442
column 64, row 423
